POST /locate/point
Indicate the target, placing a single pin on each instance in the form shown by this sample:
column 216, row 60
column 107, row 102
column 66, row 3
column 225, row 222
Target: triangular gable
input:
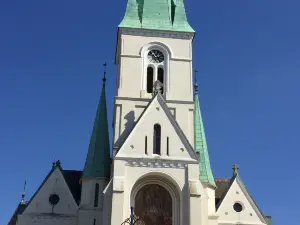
column 159, row 99
column 230, row 196
column 53, row 183
column 20, row 209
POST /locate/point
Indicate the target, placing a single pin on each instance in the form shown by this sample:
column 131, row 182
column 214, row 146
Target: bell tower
column 154, row 44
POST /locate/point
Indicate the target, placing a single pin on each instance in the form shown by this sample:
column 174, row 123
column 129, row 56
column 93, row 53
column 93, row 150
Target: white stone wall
column 88, row 213
column 248, row 216
column 128, row 111
column 46, row 220
column 131, row 65
column 39, row 209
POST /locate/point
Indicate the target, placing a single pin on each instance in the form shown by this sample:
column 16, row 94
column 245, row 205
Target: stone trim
column 156, row 33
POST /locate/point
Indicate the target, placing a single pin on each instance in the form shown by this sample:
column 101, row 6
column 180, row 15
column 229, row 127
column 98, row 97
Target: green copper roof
column 200, row 144
column 157, row 15
column 98, row 160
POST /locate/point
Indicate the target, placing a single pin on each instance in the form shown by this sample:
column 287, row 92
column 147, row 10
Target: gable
column 235, row 193
column 139, row 142
column 54, row 183
column 20, row 209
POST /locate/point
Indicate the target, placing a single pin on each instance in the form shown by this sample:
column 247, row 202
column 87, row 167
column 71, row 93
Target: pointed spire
column 156, row 15
column 24, row 194
column 200, row 144
column 98, row 160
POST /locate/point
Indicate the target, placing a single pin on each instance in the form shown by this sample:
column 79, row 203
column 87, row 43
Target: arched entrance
column 153, row 204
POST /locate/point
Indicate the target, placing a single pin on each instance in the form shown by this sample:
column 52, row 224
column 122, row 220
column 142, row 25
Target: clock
column 155, row 56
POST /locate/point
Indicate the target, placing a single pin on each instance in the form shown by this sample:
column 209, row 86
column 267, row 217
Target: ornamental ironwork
column 133, row 219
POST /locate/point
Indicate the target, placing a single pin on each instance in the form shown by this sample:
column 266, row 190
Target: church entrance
column 153, row 204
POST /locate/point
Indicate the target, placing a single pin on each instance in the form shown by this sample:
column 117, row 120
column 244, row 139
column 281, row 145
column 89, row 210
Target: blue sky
column 247, row 53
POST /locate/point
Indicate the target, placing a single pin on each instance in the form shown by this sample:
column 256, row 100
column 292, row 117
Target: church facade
column 159, row 172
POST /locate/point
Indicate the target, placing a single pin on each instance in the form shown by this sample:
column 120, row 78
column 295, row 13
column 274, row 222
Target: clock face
column 155, row 56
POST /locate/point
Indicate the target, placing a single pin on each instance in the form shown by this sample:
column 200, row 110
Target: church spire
column 98, row 160
column 156, row 15
column 200, row 142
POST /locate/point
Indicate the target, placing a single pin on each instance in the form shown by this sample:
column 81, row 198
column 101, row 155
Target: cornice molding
column 156, row 33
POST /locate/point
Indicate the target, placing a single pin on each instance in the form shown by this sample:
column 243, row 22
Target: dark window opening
column 146, row 150
column 167, row 145
column 149, row 79
column 160, row 77
column 96, row 200
column 156, row 139
column 238, row 207
column 94, row 222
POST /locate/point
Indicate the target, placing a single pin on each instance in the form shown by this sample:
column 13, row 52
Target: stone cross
column 235, row 168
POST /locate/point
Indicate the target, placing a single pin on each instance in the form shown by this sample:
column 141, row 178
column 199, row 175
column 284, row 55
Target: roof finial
column 53, row 164
column 195, row 82
column 58, row 163
column 104, row 76
column 24, row 193
column 235, row 168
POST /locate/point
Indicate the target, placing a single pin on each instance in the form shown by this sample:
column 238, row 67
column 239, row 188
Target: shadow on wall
column 129, row 117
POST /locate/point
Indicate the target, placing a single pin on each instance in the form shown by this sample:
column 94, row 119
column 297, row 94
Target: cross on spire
column 104, row 76
column 235, row 168
column 195, row 82
column 24, row 193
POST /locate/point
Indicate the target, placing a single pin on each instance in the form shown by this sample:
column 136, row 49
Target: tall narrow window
column 167, row 145
column 149, row 79
column 96, row 200
column 160, row 77
column 146, row 150
column 156, row 139
column 94, row 223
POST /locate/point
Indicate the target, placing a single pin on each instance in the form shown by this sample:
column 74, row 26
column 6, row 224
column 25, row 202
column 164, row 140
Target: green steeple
column 200, row 144
column 98, row 159
column 156, row 15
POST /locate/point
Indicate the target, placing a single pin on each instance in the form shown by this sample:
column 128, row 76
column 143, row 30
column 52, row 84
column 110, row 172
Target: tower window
column 96, row 200
column 160, row 77
column 146, row 150
column 156, row 139
column 167, row 145
column 94, row 223
column 149, row 79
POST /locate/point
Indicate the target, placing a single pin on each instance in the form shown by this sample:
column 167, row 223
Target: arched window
column 156, row 139
column 156, row 57
column 96, row 199
column 149, row 79
column 160, row 77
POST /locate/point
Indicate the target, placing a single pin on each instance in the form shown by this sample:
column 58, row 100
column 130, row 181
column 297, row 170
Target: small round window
column 54, row 199
column 238, row 207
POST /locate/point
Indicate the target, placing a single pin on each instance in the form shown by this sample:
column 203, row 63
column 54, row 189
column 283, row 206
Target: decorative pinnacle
column 24, row 193
column 104, row 76
column 195, row 82
column 235, row 168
